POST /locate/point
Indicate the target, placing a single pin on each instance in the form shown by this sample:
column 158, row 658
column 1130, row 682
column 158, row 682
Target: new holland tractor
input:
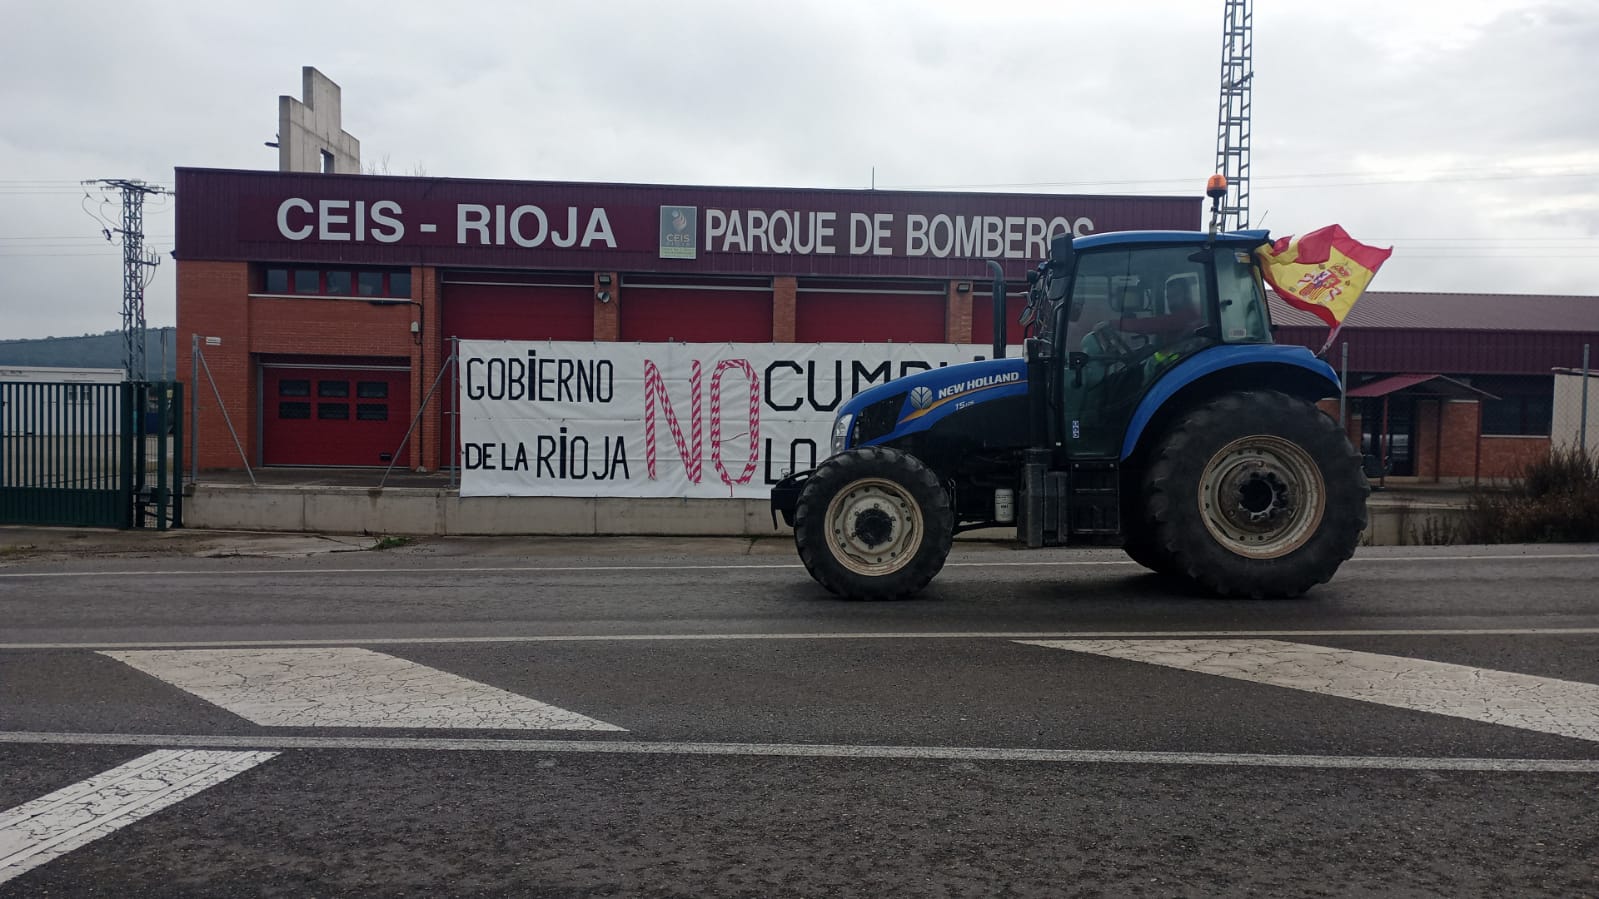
column 1150, row 410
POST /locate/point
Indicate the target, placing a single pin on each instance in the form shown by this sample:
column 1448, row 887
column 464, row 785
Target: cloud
column 1460, row 132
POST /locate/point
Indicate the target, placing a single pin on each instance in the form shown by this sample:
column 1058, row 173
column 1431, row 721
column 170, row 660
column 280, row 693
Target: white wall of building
column 1565, row 428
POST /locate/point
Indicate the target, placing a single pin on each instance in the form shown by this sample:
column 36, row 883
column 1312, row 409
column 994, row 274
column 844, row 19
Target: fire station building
column 324, row 306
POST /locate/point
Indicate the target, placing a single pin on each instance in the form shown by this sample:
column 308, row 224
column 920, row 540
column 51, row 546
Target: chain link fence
column 1574, row 423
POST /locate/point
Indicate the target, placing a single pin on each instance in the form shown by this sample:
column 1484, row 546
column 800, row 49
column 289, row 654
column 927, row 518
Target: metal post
column 455, row 412
column 194, row 408
column 1582, row 432
column 1343, row 389
column 175, row 409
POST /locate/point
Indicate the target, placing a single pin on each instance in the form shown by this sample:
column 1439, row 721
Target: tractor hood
column 918, row 402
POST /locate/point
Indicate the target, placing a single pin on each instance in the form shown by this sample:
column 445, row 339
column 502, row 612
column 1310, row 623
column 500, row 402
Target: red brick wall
column 212, row 302
column 1505, row 457
column 1458, row 451
column 608, row 316
column 1427, row 453
column 783, row 290
column 958, row 327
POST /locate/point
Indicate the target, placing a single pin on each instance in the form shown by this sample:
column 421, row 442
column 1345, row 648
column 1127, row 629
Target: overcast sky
column 1464, row 133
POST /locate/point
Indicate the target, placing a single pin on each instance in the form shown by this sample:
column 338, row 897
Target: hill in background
column 94, row 351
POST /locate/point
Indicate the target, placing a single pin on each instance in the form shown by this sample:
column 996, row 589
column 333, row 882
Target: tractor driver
column 1183, row 317
column 1182, row 307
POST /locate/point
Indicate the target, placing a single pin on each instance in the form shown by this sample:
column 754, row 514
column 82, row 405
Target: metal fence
column 91, row 455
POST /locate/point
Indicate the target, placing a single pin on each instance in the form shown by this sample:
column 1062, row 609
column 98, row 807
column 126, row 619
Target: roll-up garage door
column 862, row 311
column 515, row 306
column 704, row 310
column 313, row 415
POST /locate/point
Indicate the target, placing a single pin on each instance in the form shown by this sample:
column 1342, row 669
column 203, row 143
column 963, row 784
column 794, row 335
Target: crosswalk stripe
column 347, row 687
column 49, row 827
column 1542, row 704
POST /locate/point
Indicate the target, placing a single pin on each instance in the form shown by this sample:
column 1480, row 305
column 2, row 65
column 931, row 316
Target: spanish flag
column 1323, row 272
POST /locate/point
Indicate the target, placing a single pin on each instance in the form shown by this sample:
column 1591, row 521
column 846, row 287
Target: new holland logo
column 921, row 397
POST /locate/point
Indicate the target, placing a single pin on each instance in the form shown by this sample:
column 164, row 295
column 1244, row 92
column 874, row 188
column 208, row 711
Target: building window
column 333, row 411
column 294, row 387
column 327, row 162
column 333, row 388
column 294, row 410
column 1524, row 408
column 372, row 390
column 338, row 283
column 1518, row 416
column 378, row 284
column 371, row 412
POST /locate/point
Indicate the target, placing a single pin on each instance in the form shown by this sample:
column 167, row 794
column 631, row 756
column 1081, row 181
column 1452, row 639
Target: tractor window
column 1137, row 312
column 1241, row 299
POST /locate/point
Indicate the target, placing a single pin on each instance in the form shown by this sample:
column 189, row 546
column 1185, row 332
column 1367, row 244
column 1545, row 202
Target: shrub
column 1552, row 500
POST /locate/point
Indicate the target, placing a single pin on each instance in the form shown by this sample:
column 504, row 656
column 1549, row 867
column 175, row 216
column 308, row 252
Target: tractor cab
column 1134, row 305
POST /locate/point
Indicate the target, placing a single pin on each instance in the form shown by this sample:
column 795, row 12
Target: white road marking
column 49, row 827
column 889, row 635
column 562, row 569
column 817, row 751
column 1543, row 704
column 347, row 687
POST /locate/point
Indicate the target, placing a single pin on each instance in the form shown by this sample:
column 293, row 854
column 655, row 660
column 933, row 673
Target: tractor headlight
column 841, row 428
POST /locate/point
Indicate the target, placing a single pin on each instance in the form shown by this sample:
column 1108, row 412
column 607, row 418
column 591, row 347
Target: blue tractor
column 1150, row 410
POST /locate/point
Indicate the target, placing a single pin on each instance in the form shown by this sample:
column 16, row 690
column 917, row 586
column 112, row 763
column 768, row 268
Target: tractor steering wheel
column 1112, row 341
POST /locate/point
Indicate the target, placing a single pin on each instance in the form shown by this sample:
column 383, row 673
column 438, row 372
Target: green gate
column 91, row 455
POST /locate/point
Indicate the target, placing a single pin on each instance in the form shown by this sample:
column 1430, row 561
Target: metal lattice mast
column 1232, row 121
column 136, row 263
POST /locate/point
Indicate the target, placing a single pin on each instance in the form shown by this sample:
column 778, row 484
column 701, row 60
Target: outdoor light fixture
column 963, row 287
column 604, row 280
column 603, row 296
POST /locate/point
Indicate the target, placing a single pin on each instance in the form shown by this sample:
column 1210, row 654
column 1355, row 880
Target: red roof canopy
column 1425, row 385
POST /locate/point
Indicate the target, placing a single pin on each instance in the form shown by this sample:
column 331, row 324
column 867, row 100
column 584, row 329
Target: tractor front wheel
column 873, row 523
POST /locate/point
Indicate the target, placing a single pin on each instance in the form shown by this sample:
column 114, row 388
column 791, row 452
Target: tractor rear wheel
column 873, row 523
column 1255, row 494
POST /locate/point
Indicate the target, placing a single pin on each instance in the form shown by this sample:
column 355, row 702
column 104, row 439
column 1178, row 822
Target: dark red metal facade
column 1446, row 351
column 279, row 217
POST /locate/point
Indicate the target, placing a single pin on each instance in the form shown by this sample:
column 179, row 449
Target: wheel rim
column 1262, row 496
column 875, row 526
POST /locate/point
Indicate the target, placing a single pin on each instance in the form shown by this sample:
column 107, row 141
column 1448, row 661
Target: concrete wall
column 1566, row 428
column 306, row 129
column 440, row 512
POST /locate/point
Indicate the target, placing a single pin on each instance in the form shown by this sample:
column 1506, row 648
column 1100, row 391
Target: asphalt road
column 668, row 718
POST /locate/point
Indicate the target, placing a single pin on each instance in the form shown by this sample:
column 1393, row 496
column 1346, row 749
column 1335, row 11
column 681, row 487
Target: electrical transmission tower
column 1232, row 122
column 138, row 267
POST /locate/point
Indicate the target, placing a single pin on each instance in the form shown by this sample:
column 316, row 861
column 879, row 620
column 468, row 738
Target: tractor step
column 1093, row 500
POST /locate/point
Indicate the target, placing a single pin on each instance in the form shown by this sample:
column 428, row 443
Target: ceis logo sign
column 679, row 232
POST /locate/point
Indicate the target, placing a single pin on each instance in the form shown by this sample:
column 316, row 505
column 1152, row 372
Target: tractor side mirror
column 1060, row 253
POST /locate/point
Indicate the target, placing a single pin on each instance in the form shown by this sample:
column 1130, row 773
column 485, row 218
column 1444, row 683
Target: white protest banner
column 570, row 418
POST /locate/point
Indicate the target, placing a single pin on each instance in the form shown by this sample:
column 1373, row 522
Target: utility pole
column 1232, row 120
column 138, row 267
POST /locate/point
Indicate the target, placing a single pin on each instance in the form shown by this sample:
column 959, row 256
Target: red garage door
column 869, row 312
column 657, row 308
column 333, row 416
column 504, row 306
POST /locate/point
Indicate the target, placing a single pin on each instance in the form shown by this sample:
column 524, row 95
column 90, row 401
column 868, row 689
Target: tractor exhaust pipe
column 999, row 309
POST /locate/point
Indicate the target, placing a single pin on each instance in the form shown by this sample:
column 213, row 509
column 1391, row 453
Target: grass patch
column 391, row 542
column 1552, row 500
